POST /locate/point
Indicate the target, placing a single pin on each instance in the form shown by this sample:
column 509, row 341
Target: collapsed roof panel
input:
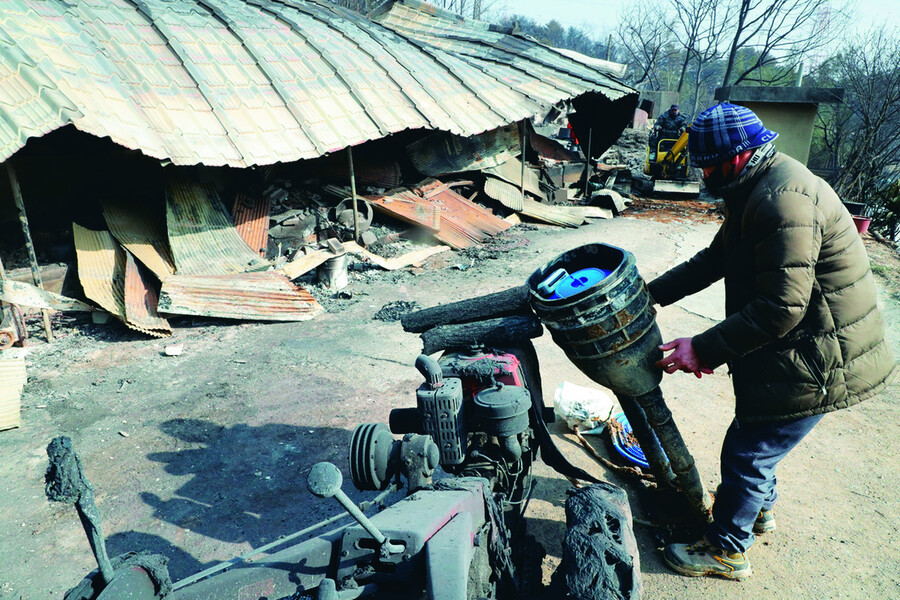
column 252, row 82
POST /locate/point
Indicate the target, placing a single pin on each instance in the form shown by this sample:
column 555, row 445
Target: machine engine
column 477, row 407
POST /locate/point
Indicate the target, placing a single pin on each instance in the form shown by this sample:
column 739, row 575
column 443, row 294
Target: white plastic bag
column 588, row 408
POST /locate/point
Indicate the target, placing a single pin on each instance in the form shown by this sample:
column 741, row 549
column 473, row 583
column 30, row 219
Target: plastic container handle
column 548, row 286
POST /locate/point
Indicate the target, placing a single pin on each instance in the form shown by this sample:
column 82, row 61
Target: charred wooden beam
column 492, row 332
column 513, row 301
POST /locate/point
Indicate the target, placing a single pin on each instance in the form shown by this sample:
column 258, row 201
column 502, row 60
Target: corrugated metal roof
column 538, row 71
column 439, row 153
column 267, row 296
column 244, row 82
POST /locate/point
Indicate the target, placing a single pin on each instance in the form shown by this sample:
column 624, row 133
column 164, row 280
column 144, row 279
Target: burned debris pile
column 245, row 244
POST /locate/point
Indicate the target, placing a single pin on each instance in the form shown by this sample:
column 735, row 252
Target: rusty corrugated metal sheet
column 141, row 233
column 103, row 272
column 201, row 234
column 409, row 208
column 101, row 269
column 459, row 214
column 462, row 224
column 504, row 193
column 511, row 196
column 251, row 219
column 247, row 82
column 267, row 296
column 141, row 298
column 511, row 172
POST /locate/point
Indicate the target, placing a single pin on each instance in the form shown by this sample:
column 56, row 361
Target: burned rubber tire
column 600, row 555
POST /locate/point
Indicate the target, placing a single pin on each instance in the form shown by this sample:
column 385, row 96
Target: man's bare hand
column 682, row 359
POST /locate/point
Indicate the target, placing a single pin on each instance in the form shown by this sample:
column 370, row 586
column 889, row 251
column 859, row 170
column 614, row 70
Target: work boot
column 765, row 522
column 702, row 558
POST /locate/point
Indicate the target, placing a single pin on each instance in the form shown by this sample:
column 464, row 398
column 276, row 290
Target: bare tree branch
column 646, row 42
column 862, row 135
column 779, row 33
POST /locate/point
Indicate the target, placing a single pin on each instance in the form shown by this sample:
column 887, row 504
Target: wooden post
column 523, row 160
column 26, row 231
column 587, row 166
column 353, row 193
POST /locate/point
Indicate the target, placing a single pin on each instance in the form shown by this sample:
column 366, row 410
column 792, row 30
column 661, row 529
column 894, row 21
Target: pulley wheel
column 342, row 213
column 370, row 452
column 6, row 340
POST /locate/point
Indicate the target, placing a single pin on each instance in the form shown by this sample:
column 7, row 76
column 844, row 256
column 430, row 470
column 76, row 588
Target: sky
column 600, row 15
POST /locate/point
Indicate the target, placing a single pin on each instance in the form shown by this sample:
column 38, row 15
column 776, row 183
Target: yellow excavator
column 667, row 164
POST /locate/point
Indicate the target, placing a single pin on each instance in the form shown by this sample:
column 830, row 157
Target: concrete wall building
column 791, row 111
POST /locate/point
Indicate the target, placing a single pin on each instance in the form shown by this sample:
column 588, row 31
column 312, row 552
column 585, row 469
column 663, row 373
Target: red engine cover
column 506, row 368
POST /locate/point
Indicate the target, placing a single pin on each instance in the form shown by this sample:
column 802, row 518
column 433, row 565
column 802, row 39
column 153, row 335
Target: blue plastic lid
column 630, row 452
column 579, row 281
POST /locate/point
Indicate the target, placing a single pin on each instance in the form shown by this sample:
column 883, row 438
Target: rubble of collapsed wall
column 630, row 150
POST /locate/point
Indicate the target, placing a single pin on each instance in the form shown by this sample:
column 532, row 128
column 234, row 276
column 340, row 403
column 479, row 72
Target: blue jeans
column 749, row 456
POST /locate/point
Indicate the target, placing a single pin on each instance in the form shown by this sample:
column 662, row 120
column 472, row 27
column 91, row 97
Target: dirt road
column 203, row 456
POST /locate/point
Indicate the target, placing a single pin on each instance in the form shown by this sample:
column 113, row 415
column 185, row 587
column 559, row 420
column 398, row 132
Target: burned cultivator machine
column 464, row 458
column 480, row 418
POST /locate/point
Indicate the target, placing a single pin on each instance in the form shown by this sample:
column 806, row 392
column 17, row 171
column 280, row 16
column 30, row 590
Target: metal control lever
column 325, row 481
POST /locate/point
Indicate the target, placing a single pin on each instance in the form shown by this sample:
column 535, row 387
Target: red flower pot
column 862, row 223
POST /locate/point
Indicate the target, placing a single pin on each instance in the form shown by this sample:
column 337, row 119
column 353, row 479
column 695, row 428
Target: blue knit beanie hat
column 724, row 131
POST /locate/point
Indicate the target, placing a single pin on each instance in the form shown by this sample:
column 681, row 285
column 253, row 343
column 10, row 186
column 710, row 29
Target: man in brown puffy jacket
column 802, row 336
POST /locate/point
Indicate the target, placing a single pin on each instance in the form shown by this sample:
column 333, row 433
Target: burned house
column 152, row 144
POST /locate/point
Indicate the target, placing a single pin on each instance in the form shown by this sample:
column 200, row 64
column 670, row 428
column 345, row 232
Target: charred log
column 504, row 331
column 513, row 301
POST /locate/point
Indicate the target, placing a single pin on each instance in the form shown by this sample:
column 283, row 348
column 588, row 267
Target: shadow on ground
column 247, row 483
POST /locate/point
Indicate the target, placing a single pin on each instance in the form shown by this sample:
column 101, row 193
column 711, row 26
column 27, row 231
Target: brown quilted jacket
column 802, row 335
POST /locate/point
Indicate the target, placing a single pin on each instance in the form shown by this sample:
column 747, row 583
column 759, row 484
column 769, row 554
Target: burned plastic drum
column 609, row 330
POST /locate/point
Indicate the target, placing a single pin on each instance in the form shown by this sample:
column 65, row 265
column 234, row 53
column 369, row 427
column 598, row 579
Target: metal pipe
column 656, row 456
column 353, row 194
column 26, row 231
column 67, row 483
column 366, row 524
column 90, row 520
column 660, row 419
column 224, row 566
